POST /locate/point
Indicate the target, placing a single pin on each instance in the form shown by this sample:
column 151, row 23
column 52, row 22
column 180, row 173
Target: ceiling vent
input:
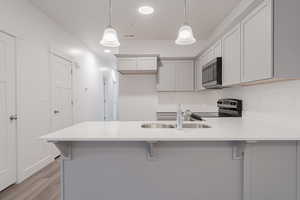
column 129, row 36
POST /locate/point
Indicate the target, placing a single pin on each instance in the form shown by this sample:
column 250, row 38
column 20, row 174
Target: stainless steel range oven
column 212, row 74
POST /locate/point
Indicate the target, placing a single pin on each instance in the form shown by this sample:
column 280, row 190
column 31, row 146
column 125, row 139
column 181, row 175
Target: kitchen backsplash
column 139, row 100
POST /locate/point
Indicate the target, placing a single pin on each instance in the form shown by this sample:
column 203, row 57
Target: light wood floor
column 44, row 185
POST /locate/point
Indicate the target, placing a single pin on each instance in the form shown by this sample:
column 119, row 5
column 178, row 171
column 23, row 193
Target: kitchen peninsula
column 232, row 158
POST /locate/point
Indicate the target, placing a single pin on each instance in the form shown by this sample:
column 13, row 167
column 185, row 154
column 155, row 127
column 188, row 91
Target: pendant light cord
column 185, row 12
column 109, row 13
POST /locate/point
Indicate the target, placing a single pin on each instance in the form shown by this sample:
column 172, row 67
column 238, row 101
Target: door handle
column 56, row 111
column 13, row 117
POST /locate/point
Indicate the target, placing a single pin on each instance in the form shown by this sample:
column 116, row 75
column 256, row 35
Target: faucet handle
column 187, row 114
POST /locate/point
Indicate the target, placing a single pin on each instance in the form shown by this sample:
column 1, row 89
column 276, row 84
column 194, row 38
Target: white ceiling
column 88, row 18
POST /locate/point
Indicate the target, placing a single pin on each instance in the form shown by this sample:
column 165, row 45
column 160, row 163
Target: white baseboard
column 29, row 171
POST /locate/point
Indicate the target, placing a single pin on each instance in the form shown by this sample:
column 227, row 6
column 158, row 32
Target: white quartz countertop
column 222, row 129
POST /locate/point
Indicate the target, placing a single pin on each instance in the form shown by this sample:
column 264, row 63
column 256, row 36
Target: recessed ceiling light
column 107, row 51
column 75, row 51
column 103, row 69
column 146, row 10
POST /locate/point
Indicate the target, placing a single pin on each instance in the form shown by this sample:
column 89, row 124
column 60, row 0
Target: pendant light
column 110, row 35
column 185, row 33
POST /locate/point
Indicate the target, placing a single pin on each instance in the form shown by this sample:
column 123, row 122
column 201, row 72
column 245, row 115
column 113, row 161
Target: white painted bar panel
column 179, row 170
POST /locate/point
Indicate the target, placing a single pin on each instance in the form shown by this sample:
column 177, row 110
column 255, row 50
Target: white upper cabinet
column 217, row 49
column 231, row 60
column 198, row 70
column 147, row 64
column 204, row 58
column 127, row 64
column 257, row 44
column 246, row 50
column 176, row 75
column 185, row 75
column 286, row 39
column 212, row 53
column 209, row 55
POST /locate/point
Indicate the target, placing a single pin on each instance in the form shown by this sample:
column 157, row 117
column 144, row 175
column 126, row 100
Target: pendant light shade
column 185, row 34
column 110, row 38
column 110, row 35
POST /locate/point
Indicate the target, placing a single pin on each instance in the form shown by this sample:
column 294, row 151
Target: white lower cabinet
column 257, row 44
column 231, row 44
column 178, row 171
column 270, row 171
column 182, row 170
column 176, row 75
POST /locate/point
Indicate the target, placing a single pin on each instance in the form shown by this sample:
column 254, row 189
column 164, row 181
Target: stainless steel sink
column 192, row 125
column 185, row 125
column 157, row 125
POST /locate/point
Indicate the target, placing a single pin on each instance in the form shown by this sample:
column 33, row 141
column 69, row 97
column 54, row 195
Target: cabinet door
column 210, row 55
column 147, row 63
column 217, row 49
column 270, row 171
column 204, row 58
column 257, row 44
column 127, row 64
column 185, row 75
column 198, row 71
column 232, row 57
column 166, row 76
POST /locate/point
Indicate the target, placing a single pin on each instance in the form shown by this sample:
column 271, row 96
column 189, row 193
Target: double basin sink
column 184, row 125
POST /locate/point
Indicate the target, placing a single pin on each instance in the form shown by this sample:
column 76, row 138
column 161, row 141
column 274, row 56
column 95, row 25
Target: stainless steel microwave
column 212, row 74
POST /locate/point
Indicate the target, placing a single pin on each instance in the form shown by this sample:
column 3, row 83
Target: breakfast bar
column 225, row 158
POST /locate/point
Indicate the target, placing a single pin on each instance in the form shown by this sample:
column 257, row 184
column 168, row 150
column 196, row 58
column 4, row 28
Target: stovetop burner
column 227, row 108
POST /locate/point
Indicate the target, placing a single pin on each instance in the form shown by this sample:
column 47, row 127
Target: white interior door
column 106, row 100
column 7, row 112
column 115, row 100
column 62, row 103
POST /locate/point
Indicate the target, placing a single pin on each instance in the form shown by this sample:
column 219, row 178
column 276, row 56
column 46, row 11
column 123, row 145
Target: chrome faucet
column 188, row 115
column 179, row 117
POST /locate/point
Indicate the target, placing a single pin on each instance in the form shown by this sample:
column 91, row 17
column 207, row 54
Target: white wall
column 166, row 48
column 36, row 34
column 137, row 97
column 139, row 100
column 279, row 99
